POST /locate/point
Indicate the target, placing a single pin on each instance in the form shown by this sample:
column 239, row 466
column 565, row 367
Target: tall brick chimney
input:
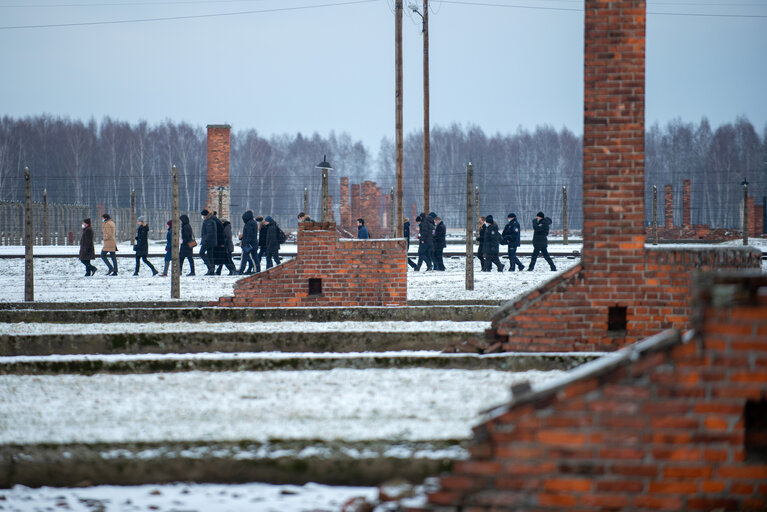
column 686, row 211
column 219, row 136
column 668, row 207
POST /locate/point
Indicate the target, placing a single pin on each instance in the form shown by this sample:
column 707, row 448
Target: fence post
column 29, row 268
column 470, row 228
column 45, row 216
column 564, row 216
column 476, row 202
column 132, row 216
column 306, row 201
column 745, row 212
column 654, row 215
column 175, row 282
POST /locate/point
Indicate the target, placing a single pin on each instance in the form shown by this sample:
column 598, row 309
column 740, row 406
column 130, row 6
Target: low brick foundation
column 329, row 272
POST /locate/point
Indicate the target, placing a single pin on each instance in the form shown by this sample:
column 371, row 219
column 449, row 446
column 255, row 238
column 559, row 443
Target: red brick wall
column 668, row 207
column 346, row 207
column 686, row 199
column 353, row 273
column 356, row 200
column 218, row 168
column 657, row 426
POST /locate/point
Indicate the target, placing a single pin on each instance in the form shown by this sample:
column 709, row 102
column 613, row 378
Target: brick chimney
column 218, row 168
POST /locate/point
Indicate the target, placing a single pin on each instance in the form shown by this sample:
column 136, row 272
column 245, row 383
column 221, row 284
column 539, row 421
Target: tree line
column 93, row 163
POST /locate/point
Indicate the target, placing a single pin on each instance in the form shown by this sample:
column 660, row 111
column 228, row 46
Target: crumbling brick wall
column 349, row 272
column 666, row 424
column 219, row 150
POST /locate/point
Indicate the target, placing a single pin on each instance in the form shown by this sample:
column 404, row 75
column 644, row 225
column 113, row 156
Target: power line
column 197, row 16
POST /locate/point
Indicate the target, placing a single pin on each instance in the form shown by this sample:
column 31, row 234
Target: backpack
column 281, row 237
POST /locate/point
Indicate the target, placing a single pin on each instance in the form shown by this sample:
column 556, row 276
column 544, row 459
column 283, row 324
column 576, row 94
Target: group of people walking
column 490, row 239
column 432, row 234
column 261, row 237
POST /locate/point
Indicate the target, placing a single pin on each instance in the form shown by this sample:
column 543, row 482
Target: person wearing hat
column 208, row 241
column 510, row 238
column 541, row 225
column 274, row 237
column 426, row 230
column 142, row 246
column 87, row 252
column 490, row 247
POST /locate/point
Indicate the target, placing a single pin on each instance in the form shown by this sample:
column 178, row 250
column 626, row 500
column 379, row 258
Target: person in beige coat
column 110, row 244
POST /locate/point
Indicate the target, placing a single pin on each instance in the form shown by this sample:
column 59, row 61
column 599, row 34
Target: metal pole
column 306, row 201
column 175, row 281
column 398, row 111
column 564, row 215
column 469, row 229
column 426, row 141
column 29, row 269
column 45, row 216
column 654, row 215
column 745, row 213
column 324, row 210
column 131, row 228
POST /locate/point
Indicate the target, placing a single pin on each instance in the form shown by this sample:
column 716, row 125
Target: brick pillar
column 668, row 207
column 613, row 137
column 386, row 213
column 686, row 212
column 218, row 168
column 355, row 204
column 758, row 221
column 346, row 206
column 751, row 218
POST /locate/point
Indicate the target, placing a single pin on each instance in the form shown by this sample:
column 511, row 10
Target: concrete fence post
column 564, row 217
column 29, row 269
column 469, row 281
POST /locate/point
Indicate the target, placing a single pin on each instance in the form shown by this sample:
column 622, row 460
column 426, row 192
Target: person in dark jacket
column 425, row 242
column 490, row 248
column 248, row 243
column 219, row 253
column 440, row 242
column 541, row 225
column 142, row 246
column 87, row 252
column 406, row 235
column 510, row 238
column 168, row 248
column 272, row 242
column 480, row 238
column 262, row 228
column 185, row 251
column 362, row 231
column 228, row 249
column 208, row 240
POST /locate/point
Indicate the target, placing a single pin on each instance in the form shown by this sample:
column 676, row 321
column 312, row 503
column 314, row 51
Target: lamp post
column 745, row 210
column 324, row 166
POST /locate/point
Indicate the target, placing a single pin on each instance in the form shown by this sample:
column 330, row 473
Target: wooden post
column 745, row 213
column 175, row 281
column 564, row 216
column 393, row 214
column 426, row 136
column 131, row 228
column 399, row 141
column 306, row 201
column 29, row 269
column 469, row 229
column 476, row 202
column 45, row 216
column 654, row 215
column 324, row 210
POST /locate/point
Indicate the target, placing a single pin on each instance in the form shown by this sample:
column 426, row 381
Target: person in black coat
column 440, row 242
column 142, row 246
column 262, row 229
column 541, row 225
column 425, row 242
column 490, row 247
column 406, row 235
column 219, row 253
column 168, row 248
column 228, row 249
column 510, row 237
column 208, row 240
column 185, row 251
column 87, row 252
column 272, row 242
column 480, row 238
column 249, row 243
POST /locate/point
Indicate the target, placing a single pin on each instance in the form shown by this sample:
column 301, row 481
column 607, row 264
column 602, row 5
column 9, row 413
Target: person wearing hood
column 274, row 237
column 110, row 243
column 208, row 240
column 228, row 249
column 362, row 231
column 425, row 242
column 510, row 238
column 406, row 235
column 87, row 251
column 480, row 238
column 440, row 242
column 262, row 228
column 142, row 246
column 186, row 249
column 168, row 247
column 248, row 243
column 490, row 247
column 541, row 225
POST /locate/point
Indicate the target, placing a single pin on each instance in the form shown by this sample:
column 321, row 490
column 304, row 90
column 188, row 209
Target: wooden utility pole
column 132, row 228
column 29, row 268
column 393, row 214
column 654, row 215
column 745, row 212
column 45, row 217
column 426, row 137
column 175, row 274
column 306, row 201
column 398, row 111
column 564, row 217
column 469, row 229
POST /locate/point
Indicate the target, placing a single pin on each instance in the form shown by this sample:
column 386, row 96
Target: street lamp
column 324, row 166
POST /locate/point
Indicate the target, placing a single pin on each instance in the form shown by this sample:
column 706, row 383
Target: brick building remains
column 365, row 200
column 219, row 151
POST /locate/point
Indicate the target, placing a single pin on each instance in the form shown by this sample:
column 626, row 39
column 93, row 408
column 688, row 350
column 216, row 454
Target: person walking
column 480, row 238
column 87, row 252
column 362, row 231
column 274, row 237
column 490, row 248
column 406, row 235
column 510, row 237
column 142, row 246
column 262, row 229
column 186, row 249
column 228, row 249
column 248, row 242
column 168, row 247
column 109, row 246
column 440, row 242
column 208, row 240
column 425, row 242
column 541, row 225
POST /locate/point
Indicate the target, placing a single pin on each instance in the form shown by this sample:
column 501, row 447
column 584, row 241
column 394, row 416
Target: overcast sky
column 498, row 64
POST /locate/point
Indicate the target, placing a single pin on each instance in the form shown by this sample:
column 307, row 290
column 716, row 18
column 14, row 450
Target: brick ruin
column 219, row 137
column 364, row 200
column 670, row 423
column 328, row 272
column 620, row 292
column 688, row 231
